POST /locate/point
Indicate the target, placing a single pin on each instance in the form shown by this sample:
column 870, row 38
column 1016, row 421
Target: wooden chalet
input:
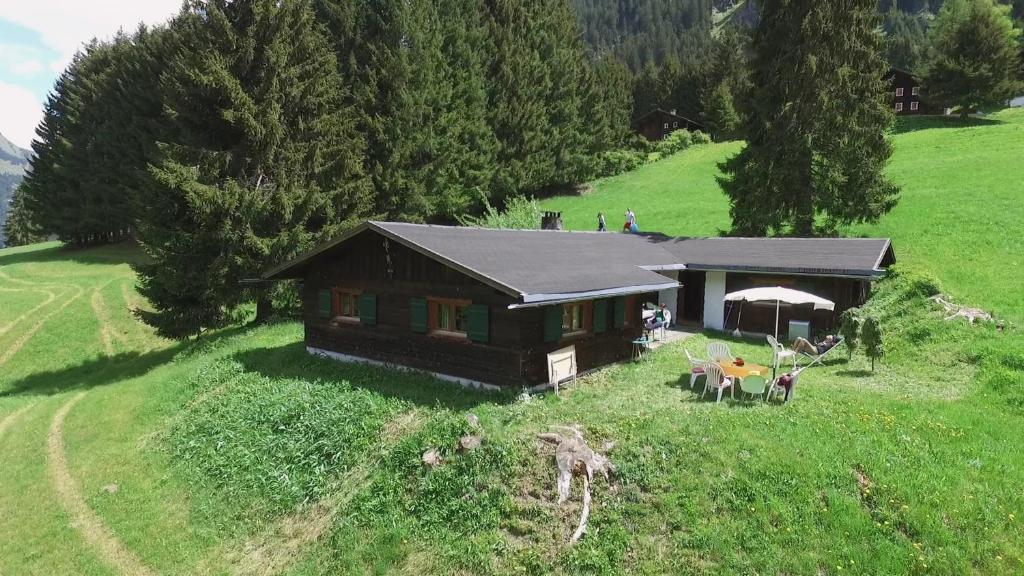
column 658, row 123
column 905, row 91
column 485, row 306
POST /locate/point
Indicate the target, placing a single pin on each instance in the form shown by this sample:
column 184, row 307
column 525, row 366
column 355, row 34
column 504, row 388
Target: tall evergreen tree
column 906, row 40
column 816, row 130
column 19, row 228
column 976, row 56
column 728, row 86
column 537, row 91
column 261, row 159
column 610, row 103
column 646, row 88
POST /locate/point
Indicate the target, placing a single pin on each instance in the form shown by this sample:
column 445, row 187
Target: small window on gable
column 913, row 105
column 448, row 317
column 675, row 124
column 666, row 125
column 899, row 92
column 915, row 91
column 899, row 106
column 345, row 304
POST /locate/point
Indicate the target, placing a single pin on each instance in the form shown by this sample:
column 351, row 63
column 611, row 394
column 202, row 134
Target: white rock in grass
column 432, row 458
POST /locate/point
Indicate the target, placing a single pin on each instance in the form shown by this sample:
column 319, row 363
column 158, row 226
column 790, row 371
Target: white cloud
column 65, row 25
column 20, row 59
column 19, row 114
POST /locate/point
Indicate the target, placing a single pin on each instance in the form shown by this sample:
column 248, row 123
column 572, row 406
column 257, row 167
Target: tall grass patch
column 266, row 445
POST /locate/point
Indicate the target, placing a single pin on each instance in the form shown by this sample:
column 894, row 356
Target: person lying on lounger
column 805, row 346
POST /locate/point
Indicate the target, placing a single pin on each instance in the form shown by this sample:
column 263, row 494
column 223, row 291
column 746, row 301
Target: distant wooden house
column 905, row 92
column 658, row 123
column 486, row 307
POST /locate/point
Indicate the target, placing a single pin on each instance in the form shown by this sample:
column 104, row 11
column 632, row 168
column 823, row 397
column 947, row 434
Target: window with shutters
column 574, row 318
column 345, row 304
column 448, row 317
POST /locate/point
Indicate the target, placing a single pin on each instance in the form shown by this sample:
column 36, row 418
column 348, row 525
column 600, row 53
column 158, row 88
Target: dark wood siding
column 515, row 355
column 395, row 274
column 760, row 317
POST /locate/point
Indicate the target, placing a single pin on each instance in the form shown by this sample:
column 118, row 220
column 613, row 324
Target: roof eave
column 537, row 300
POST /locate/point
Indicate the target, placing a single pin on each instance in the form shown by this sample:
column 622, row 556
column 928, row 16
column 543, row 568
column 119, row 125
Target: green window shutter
column 620, row 312
column 418, row 315
column 323, row 308
column 479, row 323
column 600, row 316
column 553, row 323
column 368, row 309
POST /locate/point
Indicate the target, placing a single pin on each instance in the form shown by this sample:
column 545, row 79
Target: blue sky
column 39, row 37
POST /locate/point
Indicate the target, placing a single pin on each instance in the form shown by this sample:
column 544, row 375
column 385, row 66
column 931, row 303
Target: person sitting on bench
column 805, row 346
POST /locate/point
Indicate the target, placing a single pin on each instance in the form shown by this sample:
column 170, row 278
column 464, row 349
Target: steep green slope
column 959, row 216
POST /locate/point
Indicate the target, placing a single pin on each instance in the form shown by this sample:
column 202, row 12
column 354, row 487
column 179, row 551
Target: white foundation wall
column 670, row 296
column 714, row 307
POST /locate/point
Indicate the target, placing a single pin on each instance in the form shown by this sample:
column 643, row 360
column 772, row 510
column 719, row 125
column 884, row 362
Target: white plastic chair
column 719, row 351
column 696, row 367
column 716, row 380
column 780, row 353
column 775, row 388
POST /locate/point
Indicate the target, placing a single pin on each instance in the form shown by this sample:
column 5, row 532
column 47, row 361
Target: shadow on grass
column 105, row 370
column 292, row 361
column 855, row 373
column 124, row 252
column 906, row 124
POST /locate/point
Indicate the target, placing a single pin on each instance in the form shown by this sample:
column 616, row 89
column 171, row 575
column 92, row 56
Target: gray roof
column 538, row 266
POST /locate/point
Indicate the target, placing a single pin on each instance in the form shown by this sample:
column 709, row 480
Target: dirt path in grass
column 49, row 298
column 16, row 346
column 95, row 533
column 10, row 418
column 274, row 549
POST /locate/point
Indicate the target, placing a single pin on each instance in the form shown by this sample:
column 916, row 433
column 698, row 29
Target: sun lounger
column 817, row 358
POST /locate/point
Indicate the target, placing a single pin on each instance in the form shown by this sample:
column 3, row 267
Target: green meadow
column 959, row 217
column 239, row 453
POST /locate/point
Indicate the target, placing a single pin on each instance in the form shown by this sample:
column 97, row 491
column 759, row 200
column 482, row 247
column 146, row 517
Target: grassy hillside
column 959, row 216
column 238, row 453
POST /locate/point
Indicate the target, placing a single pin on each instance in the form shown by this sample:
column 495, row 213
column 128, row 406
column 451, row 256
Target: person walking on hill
column 600, row 222
column 630, row 225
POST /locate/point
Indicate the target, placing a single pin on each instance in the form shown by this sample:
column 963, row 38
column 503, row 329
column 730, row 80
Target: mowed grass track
column 960, row 215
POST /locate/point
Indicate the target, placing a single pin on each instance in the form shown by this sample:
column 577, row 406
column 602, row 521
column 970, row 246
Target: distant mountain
column 13, row 163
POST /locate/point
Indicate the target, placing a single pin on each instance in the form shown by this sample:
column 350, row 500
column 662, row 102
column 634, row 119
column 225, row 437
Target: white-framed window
column 899, row 92
column 675, row 124
column 899, row 106
column 913, row 105
column 666, row 125
column 447, row 317
column 915, row 91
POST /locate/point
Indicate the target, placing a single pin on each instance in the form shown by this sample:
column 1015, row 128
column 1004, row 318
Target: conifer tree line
column 243, row 132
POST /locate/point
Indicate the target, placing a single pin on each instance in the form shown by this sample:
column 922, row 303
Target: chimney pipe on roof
column 551, row 221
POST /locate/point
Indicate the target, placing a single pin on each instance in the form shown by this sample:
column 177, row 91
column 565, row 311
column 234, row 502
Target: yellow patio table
column 741, row 372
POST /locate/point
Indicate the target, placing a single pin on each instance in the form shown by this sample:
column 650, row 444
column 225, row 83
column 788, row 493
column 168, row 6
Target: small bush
column 700, row 138
column 675, row 142
column 616, row 162
column 520, row 213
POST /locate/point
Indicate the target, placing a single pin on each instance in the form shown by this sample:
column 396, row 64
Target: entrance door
column 691, row 296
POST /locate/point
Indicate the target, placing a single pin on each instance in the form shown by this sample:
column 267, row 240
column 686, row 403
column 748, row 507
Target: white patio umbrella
column 778, row 294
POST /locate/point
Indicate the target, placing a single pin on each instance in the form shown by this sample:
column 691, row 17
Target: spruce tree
column 819, row 111
column 975, row 55
column 646, row 89
column 728, row 85
column 261, row 159
column 19, row 228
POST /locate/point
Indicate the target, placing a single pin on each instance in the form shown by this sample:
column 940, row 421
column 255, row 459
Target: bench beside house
column 485, row 306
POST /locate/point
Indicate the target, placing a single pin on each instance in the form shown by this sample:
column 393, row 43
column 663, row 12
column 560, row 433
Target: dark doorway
column 691, row 296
